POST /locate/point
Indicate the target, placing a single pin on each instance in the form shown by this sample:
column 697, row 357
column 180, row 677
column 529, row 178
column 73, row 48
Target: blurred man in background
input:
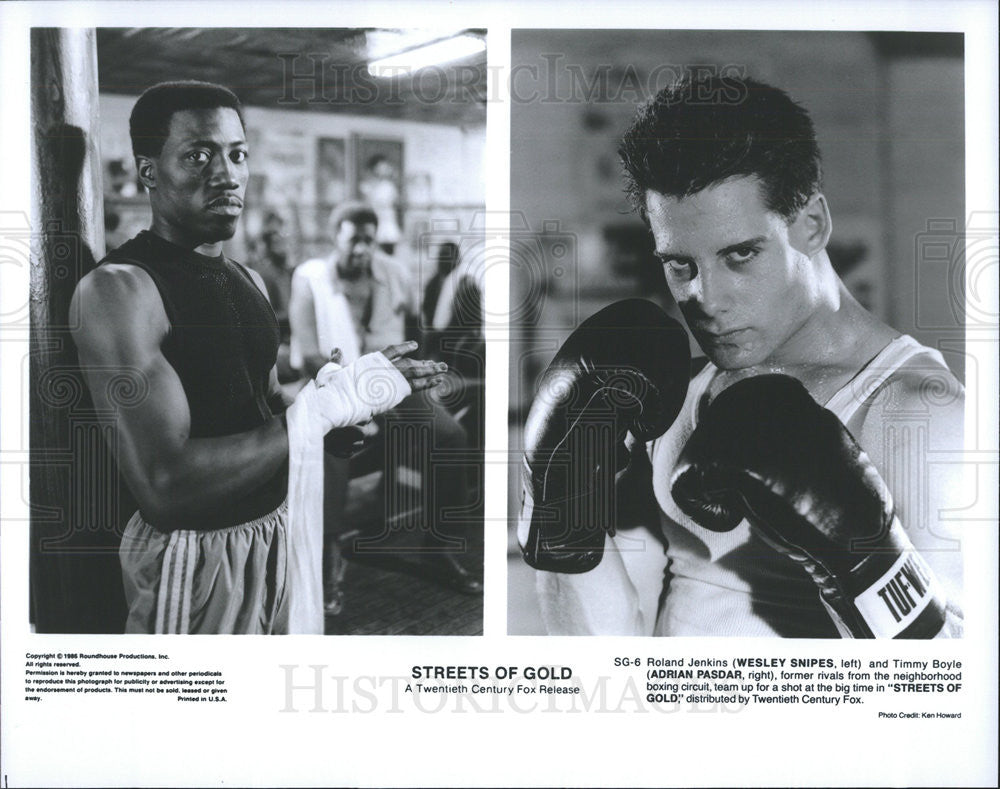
column 355, row 299
column 272, row 263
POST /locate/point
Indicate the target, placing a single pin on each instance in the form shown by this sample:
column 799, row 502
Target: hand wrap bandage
column 340, row 396
column 353, row 394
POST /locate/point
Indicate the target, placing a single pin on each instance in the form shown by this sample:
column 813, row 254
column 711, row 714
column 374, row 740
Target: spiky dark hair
column 703, row 130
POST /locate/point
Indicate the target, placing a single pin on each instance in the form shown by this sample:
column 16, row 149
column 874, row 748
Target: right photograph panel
column 737, row 333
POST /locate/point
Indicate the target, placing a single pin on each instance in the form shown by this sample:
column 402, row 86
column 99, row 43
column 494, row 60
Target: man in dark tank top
column 205, row 451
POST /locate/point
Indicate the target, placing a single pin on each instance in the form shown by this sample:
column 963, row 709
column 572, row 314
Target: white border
column 250, row 743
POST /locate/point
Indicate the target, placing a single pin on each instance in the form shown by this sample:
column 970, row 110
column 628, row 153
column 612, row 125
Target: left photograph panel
column 257, row 354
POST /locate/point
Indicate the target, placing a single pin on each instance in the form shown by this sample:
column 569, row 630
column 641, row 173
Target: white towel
column 334, row 324
column 343, row 396
column 305, row 517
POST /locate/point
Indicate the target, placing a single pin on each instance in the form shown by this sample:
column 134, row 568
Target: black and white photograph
column 573, row 387
column 739, row 395
column 256, row 391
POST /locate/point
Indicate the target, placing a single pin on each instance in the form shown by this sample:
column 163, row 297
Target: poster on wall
column 331, row 172
column 281, row 157
column 379, row 178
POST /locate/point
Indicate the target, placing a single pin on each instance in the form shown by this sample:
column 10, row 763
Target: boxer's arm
column 122, row 325
column 600, row 602
column 635, row 504
column 914, row 433
column 277, row 400
column 612, row 598
column 639, row 534
column 302, row 321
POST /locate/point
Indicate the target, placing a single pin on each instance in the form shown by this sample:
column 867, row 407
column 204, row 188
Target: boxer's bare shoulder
column 922, row 395
column 117, row 302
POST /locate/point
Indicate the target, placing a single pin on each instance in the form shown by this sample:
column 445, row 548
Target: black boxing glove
column 764, row 450
column 625, row 369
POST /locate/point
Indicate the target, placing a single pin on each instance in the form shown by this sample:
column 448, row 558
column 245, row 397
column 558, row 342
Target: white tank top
column 732, row 583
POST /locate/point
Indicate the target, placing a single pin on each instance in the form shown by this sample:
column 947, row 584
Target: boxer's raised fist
column 764, row 450
column 625, row 369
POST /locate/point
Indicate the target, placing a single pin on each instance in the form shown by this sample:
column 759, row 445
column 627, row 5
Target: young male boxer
column 205, row 448
column 771, row 485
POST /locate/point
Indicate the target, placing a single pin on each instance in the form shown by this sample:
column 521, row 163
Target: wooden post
column 75, row 578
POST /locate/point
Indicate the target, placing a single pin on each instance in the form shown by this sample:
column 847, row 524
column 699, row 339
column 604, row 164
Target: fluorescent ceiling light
column 411, row 61
column 382, row 43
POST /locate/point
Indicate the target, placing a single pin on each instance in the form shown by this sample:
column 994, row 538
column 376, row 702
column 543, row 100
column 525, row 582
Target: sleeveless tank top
column 223, row 342
column 732, row 583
